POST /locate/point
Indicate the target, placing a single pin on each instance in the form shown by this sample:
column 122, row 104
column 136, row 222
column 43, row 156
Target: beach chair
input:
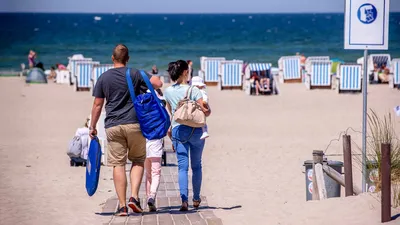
column 317, row 58
column 373, row 59
column 230, row 76
column 72, row 61
column 63, row 77
column 289, row 69
column 249, row 85
column 394, row 79
column 209, row 67
column 348, row 78
column 97, row 70
column 318, row 74
column 83, row 72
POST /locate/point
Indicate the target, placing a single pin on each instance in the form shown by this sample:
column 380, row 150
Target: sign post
column 366, row 28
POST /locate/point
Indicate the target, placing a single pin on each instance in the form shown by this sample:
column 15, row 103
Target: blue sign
column 367, row 13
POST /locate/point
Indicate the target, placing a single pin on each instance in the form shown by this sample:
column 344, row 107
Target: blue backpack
column 152, row 116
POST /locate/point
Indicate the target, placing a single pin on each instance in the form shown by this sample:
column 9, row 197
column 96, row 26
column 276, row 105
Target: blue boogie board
column 93, row 166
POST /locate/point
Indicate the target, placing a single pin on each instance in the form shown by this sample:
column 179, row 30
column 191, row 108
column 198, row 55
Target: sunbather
column 264, row 81
column 383, row 74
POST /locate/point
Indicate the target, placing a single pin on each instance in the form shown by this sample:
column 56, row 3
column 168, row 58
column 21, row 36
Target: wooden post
column 386, row 184
column 348, row 167
column 319, row 175
column 317, row 158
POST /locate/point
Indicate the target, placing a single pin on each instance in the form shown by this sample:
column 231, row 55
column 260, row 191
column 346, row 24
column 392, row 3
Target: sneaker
column 135, row 205
column 152, row 205
column 123, row 211
column 204, row 136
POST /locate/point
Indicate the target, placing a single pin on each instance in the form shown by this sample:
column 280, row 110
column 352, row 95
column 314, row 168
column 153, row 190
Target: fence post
column 348, row 167
column 386, row 184
column 317, row 158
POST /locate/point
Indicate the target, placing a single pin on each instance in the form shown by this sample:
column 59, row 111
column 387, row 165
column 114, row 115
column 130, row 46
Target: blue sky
column 178, row 6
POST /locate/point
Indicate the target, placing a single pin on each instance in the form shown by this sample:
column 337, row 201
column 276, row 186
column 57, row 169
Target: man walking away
column 124, row 137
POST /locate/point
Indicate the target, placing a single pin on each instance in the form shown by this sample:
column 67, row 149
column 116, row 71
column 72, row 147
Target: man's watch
column 92, row 128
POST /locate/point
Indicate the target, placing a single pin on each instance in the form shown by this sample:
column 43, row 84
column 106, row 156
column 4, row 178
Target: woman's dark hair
column 175, row 69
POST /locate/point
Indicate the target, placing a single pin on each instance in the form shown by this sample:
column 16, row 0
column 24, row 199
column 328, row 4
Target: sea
column 157, row 39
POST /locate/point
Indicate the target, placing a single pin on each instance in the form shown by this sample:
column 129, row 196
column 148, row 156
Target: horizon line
column 175, row 13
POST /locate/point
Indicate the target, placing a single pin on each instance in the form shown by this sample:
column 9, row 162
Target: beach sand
column 253, row 160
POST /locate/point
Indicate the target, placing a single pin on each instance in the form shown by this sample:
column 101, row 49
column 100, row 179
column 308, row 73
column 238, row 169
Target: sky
column 179, row 6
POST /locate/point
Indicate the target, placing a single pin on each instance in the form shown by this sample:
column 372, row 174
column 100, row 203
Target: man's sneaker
column 135, row 205
column 152, row 205
column 123, row 211
column 204, row 136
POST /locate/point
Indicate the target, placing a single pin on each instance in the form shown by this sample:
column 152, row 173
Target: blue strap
column 148, row 84
column 130, row 85
column 150, row 87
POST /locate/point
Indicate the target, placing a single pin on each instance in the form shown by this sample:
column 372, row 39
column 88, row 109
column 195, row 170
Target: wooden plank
column 320, row 182
column 338, row 178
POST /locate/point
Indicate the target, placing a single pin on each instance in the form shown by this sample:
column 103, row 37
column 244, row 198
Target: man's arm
column 96, row 111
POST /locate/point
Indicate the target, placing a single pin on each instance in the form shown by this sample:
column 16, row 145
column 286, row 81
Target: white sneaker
column 204, row 136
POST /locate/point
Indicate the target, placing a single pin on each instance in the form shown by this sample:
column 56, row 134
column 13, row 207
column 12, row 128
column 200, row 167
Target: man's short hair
column 121, row 53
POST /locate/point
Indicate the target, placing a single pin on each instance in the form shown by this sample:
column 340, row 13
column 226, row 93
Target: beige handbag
column 188, row 112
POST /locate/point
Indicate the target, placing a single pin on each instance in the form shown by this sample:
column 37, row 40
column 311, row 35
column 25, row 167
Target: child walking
column 152, row 164
column 198, row 82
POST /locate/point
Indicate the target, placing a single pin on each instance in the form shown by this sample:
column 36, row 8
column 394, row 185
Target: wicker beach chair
column 83, row 73
column 230, row 75
column 97, row 70
column 394, row 79
column 209, row 67
column 249, row 85
column 318, row 74
column 290, row 69
column 349, row 78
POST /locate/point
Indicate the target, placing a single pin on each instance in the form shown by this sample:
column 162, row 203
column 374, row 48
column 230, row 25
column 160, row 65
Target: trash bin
column 332, row 187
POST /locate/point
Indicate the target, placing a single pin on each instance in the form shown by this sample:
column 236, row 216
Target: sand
column 252, row 160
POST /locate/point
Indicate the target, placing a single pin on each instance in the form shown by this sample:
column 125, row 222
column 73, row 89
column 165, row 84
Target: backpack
column 75, row 147
column 152, row 116
column 188, row 112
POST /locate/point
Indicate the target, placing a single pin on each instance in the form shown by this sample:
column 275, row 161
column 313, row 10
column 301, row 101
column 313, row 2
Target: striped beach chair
column 231, row 76
column 348, row 78
column 318, row 74
column 394, row 80
column 72, row 67
column 289, row 69
column 373, row 59
column 249, row 85
column 209, row 69
column 99, row 69
column 317, row 58
column 83, row 72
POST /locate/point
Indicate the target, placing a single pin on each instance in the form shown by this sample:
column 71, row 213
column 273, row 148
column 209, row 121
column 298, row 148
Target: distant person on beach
column 154, row 69
column 53, row 73
column 198, row 82
column 60, row 66
column 152, row 164
column 264, row 80
column 383, row 74
column 31, row 59
column 186, row 140
column 125, row 139
column 256, row 82
column 190, row 64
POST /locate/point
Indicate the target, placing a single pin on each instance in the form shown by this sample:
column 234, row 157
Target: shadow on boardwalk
column 168, row 203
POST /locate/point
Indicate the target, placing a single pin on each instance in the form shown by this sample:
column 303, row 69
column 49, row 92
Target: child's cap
column 198, row 81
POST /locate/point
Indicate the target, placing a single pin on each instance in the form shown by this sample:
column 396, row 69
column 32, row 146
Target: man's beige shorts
column 125, row 142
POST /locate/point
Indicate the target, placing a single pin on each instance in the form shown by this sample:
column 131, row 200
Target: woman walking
column 186, row 140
